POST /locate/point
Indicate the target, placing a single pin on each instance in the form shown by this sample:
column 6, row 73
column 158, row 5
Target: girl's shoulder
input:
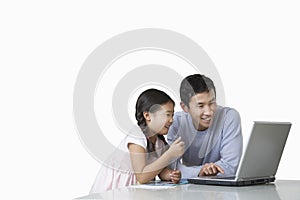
column 136, row 136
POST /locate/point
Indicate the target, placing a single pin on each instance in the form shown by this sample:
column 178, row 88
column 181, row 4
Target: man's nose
column 207, row 110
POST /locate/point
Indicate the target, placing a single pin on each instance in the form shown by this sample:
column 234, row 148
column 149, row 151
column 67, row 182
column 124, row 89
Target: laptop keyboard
column 229, row 177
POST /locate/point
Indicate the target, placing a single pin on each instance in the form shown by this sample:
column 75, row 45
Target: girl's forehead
column 162, row 108
column 168, row 107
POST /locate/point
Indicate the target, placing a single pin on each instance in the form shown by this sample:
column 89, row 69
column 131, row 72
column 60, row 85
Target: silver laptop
column 260, row 160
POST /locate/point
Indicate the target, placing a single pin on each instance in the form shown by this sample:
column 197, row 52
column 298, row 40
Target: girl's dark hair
column 195, row 84
column 150, row 101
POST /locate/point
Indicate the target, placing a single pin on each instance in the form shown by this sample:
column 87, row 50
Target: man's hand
column 210, row 169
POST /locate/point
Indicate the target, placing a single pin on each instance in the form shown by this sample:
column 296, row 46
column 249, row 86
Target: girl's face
column 160, row 121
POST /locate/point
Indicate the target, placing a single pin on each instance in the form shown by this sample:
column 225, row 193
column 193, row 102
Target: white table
column 280, row 190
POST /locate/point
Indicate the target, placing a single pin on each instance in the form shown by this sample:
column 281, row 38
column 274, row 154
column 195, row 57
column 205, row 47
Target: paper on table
column 158, row 185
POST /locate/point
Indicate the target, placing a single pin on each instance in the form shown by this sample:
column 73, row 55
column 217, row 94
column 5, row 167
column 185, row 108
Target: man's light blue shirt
column 226, row 152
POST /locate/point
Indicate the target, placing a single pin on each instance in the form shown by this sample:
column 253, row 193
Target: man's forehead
column 204, row 96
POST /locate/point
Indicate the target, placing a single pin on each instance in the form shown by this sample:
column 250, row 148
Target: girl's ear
column 184, row 107
column 147, row 116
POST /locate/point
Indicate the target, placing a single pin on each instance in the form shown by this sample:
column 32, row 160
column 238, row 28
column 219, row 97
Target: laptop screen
column 264, row 149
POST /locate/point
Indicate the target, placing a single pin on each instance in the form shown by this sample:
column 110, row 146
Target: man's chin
column 203, row 126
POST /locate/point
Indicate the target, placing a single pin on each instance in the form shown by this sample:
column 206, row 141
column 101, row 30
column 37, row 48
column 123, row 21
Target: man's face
column 202, row 107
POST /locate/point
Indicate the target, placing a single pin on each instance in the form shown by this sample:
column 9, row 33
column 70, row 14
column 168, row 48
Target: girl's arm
column 145, row 173
column 165, row 174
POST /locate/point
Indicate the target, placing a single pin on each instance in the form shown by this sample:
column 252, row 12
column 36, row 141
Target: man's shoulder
column 179, row 115
column 230, row 112
column 180, row 118
column 232, row 117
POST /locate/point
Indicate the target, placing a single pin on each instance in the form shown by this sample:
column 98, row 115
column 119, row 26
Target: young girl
column 144, row 153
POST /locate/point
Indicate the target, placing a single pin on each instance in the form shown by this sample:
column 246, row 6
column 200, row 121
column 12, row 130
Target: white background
column 254, row 45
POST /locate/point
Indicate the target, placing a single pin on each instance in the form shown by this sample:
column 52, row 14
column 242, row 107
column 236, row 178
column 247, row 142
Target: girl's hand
column 177, row 148
column 175, row 176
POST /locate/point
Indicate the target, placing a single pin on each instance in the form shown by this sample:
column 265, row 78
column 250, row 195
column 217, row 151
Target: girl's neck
column 153, row 139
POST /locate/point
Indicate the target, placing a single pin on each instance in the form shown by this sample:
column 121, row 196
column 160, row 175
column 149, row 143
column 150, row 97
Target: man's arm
column 186, row 171
column 232, row 143
column 173, row 130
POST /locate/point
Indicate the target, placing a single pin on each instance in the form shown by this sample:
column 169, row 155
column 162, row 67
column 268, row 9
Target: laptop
column 260, row 160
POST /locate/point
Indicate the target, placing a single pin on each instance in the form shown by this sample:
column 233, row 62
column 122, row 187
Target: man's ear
column 184, row 107
column 146, row 116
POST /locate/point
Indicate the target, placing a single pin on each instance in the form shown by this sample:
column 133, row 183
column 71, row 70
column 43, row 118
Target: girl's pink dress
column 117, row 171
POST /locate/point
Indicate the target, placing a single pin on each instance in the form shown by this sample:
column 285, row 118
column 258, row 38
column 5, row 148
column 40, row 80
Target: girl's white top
column 116, row 172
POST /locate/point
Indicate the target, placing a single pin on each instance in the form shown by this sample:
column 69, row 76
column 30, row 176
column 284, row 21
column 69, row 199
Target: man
column 212, row 133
